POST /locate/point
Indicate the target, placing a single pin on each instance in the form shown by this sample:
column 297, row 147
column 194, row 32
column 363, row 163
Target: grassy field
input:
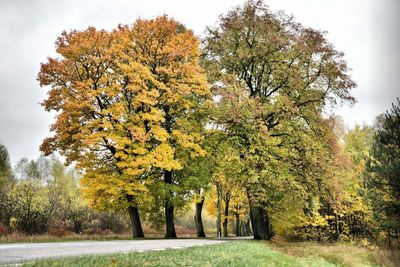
column 240, row 253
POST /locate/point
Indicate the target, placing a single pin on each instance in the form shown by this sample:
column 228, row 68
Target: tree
column 357, row 146
column 127, row 102
column 6, row 174
column 67, row 204
column 27, row 205
column 6, row 180
column 197, row 176
column 227, row 175
column 382, row 176
column 290, row 72
column 30, row 207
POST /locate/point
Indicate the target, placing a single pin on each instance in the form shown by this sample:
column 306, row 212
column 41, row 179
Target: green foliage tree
column 6, row 181
column 289, row 72
column 382, row 176
column 66, row 201
column 29, row 206
column 6, row 174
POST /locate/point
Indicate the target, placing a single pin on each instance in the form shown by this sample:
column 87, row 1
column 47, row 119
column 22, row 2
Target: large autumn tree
column 290, row 73
column 126, row 102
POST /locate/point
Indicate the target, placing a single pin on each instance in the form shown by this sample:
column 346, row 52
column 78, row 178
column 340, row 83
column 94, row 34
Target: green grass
column 234, row 253
column 239, row 253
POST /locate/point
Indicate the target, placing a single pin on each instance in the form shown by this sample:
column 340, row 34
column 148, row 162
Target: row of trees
column 155, row 118
column 137, row 113
column 356, row 196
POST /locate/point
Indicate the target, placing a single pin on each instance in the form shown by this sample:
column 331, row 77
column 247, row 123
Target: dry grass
column 341, row 254
column 385, row 257
column 182, row 232
column 20, row 238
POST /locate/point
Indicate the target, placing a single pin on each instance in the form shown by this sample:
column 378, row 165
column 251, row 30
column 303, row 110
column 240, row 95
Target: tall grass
column 361, row 253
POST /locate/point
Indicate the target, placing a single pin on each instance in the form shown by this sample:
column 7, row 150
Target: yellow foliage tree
column 125, row 103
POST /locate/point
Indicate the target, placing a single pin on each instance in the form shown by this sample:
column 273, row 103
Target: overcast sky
column 365, row 30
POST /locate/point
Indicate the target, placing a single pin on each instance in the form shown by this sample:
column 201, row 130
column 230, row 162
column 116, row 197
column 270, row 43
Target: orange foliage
column 124, row 101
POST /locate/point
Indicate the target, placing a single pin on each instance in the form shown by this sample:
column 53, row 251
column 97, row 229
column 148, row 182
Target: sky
column 365, row 30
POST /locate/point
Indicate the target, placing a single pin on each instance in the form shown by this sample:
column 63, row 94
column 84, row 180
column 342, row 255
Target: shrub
column 3, row 230
column 30, row 207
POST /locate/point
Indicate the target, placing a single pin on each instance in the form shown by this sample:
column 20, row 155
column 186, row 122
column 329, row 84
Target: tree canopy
column 157, row 120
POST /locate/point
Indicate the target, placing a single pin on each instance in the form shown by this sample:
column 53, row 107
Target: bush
column 3, row 230
column 112, row 221
column 30, row 207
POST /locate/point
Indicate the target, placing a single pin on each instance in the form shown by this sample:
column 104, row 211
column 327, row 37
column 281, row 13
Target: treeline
column 42, row 196
column 357, row 195
column 155, row 118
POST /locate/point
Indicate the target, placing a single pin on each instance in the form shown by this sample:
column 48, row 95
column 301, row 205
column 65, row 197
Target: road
column 20, row 252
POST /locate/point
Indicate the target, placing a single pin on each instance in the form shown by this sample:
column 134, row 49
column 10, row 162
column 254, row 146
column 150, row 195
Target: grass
column 182, row 232
column 235, row 253
column 239, row 253
column 340, row 254
column 16, row 238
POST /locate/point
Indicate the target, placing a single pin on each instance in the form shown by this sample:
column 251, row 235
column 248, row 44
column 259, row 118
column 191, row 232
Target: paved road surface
column 19, row 252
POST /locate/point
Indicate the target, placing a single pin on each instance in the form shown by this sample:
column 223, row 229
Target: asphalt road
column 20, row 252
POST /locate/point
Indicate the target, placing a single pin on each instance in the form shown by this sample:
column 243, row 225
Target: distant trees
column 6, row 174
column 67, row 203
column 6, row 180
column 45, row 197
column 29, row 207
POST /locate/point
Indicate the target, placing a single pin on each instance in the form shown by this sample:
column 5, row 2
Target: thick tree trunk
column 137, row 231
column 169, row 221
column 262, row 228
column 219, row 204
column 169, row 209
column 237, row 224
column 226, row 214
column 198, row 219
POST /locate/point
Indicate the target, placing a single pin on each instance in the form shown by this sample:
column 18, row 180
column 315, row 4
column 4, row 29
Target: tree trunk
column 245, row 229
column 226, row 214
column 77, row 226
column 137, row 231
column 248, row 228
column 198, row 219
column 237, row 224
column 169, row 209
column 219, row 204
column 260, row 221
column 337, row 230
